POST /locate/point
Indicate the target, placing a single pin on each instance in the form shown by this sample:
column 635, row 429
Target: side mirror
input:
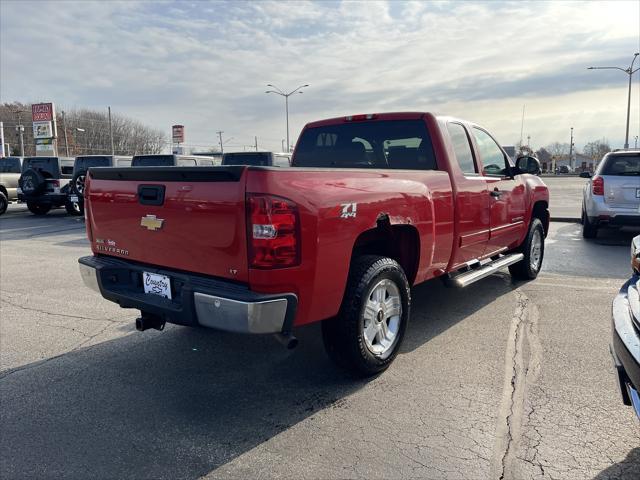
column 585, row 174
column 528, row 165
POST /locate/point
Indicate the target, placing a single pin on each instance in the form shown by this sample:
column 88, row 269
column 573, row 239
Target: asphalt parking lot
column 499, row 380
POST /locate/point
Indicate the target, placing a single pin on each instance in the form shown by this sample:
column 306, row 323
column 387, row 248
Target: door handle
column 496, row 193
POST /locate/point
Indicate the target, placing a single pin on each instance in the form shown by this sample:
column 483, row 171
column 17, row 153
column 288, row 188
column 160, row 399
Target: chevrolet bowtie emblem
column 151, row 222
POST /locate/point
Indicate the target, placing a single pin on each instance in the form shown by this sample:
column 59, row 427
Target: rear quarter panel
column 421, row 199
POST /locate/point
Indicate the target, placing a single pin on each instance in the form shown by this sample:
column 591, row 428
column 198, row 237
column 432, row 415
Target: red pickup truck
column 372, row 205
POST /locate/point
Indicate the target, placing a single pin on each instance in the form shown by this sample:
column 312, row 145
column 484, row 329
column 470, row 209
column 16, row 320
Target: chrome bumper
column 255, row 314
column 625, row 349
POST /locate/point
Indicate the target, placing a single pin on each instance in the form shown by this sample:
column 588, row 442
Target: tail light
column 597, row 185
column 273, row 230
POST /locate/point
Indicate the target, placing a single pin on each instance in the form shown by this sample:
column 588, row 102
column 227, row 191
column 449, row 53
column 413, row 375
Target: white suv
column 612, row 196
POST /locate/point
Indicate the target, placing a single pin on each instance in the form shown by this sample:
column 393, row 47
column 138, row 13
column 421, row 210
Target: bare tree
column 87, row 132
column 557, row 149
column 597, row 149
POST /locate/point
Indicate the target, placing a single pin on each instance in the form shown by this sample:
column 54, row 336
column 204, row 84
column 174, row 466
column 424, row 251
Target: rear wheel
column 366, row 335
column 39, row 208
column 589, row 230
column 533, row 250
column 77, row 182
column 4, row 203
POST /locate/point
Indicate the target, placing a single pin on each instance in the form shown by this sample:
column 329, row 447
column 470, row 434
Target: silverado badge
column 151, row 222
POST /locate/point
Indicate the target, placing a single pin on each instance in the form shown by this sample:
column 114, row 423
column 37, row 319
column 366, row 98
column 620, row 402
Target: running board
column 464, row 279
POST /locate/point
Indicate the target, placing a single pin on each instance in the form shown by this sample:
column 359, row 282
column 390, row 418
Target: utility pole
column 20, row 129
column 110, row 131
column 220, row 132
column 64, row 130
column 2, row 140
column 256, row 139
column 571, row 151
column 522, row 127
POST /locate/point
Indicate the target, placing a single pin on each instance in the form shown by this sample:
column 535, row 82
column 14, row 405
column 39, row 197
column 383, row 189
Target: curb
column 566, row 219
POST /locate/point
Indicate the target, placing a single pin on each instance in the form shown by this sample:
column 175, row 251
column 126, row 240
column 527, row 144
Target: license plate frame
column 156, row 284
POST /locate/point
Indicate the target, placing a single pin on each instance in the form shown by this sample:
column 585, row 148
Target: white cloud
column 206, row 64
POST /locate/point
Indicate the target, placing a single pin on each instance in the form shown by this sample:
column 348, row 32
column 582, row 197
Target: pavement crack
column 522, row 366
column 63, row 315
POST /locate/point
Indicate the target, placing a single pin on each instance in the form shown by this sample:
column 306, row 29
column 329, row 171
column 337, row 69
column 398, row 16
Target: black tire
column 344, row 336
column 4, row 203
column 74, row 208
column 77, row 182
column 589, row 230
column 39, row 208
column 32, row 182
column 529, row 267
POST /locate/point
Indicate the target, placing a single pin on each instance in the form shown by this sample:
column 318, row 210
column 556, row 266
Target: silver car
column 612, row 196
column 10, row 169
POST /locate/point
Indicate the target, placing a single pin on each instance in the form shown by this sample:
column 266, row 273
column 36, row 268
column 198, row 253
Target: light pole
column 286, row 96
column 629, row 71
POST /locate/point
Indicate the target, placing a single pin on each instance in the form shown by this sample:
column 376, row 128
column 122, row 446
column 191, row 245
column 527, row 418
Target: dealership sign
column 42, row 112
column 42, row 130
column 177, row 133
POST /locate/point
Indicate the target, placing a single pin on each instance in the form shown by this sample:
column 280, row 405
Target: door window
column 493, row 159
column 462, row 148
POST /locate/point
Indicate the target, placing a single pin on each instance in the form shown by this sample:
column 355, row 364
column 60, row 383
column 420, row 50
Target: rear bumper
column 603, row 214
column 625, row 349
column 196, row 300
column 53, row 199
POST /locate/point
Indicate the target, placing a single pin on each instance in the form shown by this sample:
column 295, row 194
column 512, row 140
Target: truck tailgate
column 188, row 218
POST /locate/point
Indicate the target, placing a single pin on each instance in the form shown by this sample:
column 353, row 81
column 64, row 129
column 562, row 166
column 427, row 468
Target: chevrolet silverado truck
column 373, row 205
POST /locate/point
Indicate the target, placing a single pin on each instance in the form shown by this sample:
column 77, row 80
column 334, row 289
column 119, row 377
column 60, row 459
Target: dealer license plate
column 156, row 284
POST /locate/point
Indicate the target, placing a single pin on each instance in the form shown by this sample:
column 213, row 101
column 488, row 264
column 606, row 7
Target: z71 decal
column 349, row 210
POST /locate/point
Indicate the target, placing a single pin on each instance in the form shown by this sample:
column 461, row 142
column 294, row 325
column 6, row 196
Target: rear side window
column 186, row 162
column 257, row 159
column 395, row 144
column 621, row 165
column 153, row 161
column 84, row 163
column 462, row 148
column 48, row 166
column 9, row 165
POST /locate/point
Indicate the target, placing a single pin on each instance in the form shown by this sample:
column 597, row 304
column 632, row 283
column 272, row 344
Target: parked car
column 261, row 159
column 10, row 169
column 625, row 347
column 168, row 160
column 80, row 167
column 372, row 205
column 45, row 184
column 611, row 198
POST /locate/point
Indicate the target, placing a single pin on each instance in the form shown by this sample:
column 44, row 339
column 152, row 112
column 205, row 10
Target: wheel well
column 541, row 211
column 4, row 190
column 399, row 242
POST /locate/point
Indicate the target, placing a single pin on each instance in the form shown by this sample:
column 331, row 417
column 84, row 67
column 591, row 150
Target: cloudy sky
column 206, row 64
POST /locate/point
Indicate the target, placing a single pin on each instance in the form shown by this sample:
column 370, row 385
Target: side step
column 464, row 279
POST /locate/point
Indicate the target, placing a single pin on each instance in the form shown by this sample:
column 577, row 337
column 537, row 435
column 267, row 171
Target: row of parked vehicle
column 44, row 183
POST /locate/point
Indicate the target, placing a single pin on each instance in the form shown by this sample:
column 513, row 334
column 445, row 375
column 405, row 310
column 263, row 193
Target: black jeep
column 44, row 184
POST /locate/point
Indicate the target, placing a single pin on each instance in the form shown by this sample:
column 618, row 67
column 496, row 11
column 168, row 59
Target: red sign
column 177, row 133
column 42, row 112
